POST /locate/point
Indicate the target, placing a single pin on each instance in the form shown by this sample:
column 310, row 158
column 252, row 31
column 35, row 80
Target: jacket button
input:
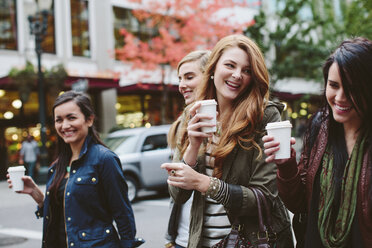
column 73, row 171
column 107, row 230
column 69, row 219
column 47, row 217
column 71, row 244
column 47, row 192
column 79, row 179
column 94, row 179
column 83, row 234
column 68, row 193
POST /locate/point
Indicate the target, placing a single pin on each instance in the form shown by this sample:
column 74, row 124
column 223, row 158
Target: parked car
column 141, row 152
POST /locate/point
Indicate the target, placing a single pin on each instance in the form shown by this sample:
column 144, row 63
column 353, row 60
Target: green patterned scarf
column 337, row 234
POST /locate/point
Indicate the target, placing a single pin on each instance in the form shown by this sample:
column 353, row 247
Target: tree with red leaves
column 183, row 26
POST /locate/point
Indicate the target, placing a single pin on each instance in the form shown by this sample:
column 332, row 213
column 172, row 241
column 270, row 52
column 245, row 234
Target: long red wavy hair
column 242, row 125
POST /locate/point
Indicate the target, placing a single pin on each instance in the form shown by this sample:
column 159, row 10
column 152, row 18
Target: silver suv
column 141, row 152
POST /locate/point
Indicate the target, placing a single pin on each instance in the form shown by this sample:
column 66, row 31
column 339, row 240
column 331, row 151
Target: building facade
column 82, row 36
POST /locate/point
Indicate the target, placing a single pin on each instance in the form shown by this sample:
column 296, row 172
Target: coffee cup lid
column 16, row 168
column 279, row 124
column 208, row 102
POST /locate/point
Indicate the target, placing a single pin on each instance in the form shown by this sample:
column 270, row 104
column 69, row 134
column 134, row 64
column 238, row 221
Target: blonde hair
column 200, row 56
column 242, row 125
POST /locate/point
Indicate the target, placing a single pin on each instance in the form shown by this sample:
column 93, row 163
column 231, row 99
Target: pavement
column 18, row 227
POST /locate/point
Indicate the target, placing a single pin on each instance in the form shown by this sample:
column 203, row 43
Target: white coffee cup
column 209, row 107
column 281, row 131
column 15, row 175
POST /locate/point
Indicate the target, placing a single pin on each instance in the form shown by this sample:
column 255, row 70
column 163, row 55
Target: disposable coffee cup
column 281, row 131
column 15, row 175
column 209, row 107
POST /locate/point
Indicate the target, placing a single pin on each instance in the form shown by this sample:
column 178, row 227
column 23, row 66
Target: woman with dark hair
column 85, row 190
column 332, row 181
column 221, row 168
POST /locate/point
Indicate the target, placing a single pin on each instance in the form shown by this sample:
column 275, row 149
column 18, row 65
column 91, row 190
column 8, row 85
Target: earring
column 212, row 77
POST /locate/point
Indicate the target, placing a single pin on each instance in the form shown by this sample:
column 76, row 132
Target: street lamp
column 38, row 27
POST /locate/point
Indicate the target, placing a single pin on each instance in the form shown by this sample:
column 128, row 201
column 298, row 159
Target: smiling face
column 232, row 75
column 71, row 124
column 189, row 76
column 343, row 110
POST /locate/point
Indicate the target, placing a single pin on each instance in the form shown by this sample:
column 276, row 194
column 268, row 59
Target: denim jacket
column 95, row 196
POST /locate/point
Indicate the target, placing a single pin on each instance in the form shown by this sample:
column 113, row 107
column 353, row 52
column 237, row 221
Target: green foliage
column 55, row 78
column 306, row 32
column 25, row 79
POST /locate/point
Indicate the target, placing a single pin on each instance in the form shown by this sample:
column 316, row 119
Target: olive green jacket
column 241, row 170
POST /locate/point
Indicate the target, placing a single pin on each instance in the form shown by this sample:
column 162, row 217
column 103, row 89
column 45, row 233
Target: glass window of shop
column 8, row 25
column 145, row 109
column 80, row 28
column 49, row 43
column 11, row 106
column 16, row 120
column 124, row 18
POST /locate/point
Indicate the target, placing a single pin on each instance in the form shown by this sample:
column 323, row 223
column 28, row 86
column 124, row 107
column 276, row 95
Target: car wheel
column 132, row 188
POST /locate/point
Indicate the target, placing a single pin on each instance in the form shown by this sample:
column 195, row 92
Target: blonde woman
column 190, row 73
column 232, row 161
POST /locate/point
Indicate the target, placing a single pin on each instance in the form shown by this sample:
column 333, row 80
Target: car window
column 155, row 142
column 123, row 144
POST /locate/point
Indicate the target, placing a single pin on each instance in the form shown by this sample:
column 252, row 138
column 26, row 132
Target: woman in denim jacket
column 86, row 190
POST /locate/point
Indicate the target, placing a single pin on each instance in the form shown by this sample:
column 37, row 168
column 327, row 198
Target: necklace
column 68, row 168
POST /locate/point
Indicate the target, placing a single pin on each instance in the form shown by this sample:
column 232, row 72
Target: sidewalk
column 18, row 225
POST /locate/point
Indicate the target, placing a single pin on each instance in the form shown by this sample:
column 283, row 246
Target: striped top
column 216, row 224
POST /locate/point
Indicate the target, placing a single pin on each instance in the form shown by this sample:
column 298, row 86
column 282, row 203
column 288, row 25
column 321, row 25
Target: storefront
column 136, row 105
column 301, row 99
column 142, row 105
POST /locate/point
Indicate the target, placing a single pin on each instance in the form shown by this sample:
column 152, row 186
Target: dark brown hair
column 64, row 150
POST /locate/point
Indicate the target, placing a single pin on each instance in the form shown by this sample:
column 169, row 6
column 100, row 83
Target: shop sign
column 80, row 85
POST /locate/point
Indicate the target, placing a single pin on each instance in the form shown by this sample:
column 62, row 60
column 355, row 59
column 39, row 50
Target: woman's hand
column 271, row 147
column 195, row 124
column 195, row 134
column 185, row 177
column 30, row 188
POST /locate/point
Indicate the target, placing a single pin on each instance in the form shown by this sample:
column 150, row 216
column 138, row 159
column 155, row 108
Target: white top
column 29, row 151
column 184, row 223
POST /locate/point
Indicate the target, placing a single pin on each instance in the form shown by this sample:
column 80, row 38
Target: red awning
column 146, row 87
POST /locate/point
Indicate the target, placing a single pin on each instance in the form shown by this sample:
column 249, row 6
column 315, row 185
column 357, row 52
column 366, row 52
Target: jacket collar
column 84, row 149
column 228, row 162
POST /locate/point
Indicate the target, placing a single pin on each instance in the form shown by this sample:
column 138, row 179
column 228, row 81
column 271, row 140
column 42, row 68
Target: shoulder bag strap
column 262, row 234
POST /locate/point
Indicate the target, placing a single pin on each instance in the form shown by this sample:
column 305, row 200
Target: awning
column 297, row 86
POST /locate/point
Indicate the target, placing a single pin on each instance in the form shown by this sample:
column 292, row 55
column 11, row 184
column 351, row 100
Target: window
column 80, row 28
column 8, row 25
column 123, row 144
column 155, row 142
column 124, row 18
column 49, row 43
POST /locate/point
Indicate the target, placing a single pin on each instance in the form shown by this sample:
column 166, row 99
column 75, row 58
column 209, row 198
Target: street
column 20, row 228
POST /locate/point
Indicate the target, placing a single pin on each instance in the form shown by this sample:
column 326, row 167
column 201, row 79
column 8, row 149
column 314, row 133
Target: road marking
column 22, row 233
